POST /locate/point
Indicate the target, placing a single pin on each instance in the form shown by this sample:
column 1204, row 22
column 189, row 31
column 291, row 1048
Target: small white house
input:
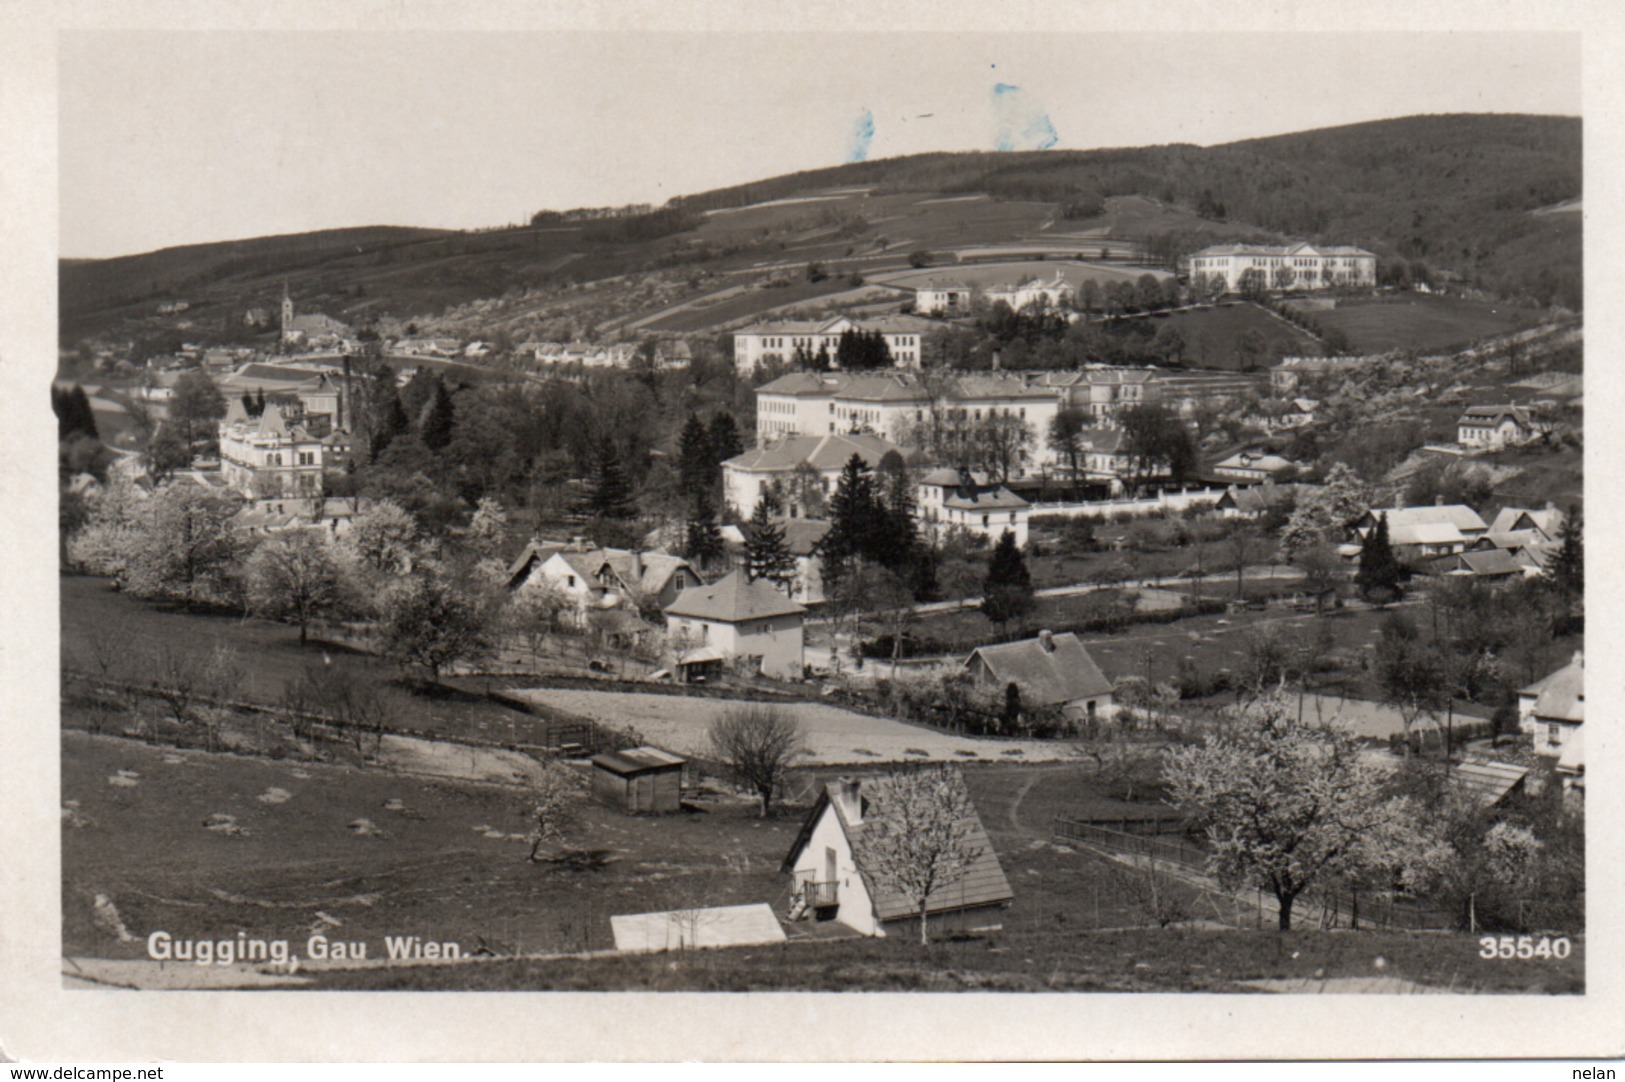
column 960, row 499
column 739, row 620
column 831, row 881
column 1490, row 428
column 1552, row 710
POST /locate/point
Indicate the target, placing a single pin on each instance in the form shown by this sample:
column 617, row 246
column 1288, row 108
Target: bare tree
column 758, row 744
column 918, row 834
column 176, row 681
column 1244, row 544
column 1161, row 897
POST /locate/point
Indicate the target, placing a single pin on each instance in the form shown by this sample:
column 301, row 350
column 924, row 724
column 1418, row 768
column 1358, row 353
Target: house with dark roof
column 832, row 879
column 597, row 579
column 1552, row 709
column 794, row 461
column 1256, row 501
column 749, row 624
column 952, row 500
column 1253, row 465
column 1490, row 428
column 642, row 780
column 1050, row 670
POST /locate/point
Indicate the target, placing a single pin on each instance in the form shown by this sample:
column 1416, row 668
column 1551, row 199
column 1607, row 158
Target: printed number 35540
column 1522, row 947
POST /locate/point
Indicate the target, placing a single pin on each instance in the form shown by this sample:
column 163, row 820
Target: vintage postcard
column 837, row 537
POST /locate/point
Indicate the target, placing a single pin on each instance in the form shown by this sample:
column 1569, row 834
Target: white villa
column 1298, row 266
column 792, row 460
column 937, row 298
column 1490, row 428
column 282, row 452
column 1055, row 293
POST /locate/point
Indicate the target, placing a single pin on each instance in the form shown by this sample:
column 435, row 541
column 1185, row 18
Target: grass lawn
column 1418, row 321
column 271, row 658
column 1009, row 273
column 1211, row 335
column 749, row 303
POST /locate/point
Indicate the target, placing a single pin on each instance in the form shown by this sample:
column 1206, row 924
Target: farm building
column 1051, row 670
column 641, row 780
column 834, row 882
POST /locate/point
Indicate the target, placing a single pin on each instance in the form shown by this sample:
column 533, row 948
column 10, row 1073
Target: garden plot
column 833, row 736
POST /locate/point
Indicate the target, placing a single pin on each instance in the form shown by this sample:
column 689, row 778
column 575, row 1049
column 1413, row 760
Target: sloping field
column 993, row 274
column 1416, row 321
column 1212, row 334
column 834, row 736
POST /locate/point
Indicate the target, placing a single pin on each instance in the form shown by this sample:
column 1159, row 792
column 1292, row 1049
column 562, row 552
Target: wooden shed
column 639, row 780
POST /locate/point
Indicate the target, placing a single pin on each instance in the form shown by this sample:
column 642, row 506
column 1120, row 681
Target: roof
column 637, row 760
column 983, row 883
column 1492, row 415
column 802, row 536
column 1462, row 517
column 1516, row 520
column 1046, row 677
column 1103, row 440
column 1424, row 533
column 826, row 453
column 984, row 498
column 1572, row 759
column 733, row 599
column 1490, row 562
column 798, row 383
column 1487, row 782
column 1560, row 696
column 1261, row 497
column 1300, row 248
column 1255, row 460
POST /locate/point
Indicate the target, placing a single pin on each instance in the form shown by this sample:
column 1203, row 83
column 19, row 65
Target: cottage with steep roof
column 831, row 880
column 803, row 540
column 1552, row 710
column 734, row 619
column 1050, row 670
column 1490, row 428
column 595, row 579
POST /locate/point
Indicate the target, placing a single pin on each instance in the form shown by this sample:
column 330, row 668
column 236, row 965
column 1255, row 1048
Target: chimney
column 637, row 568
column 844, row 793
column 1438, row 501
column 1046, row 641
column 995, row 360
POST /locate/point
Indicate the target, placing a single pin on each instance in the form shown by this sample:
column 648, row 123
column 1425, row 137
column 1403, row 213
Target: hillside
column 1469, row 195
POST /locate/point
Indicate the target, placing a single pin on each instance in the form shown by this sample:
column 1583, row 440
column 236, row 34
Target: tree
column 73, row 412
column 1285, row 804
column 1414, row 676
column 1566, row 572
column 1323, row 515
column 766, row 554
column 1157, row 442
column 918, row 837
column 855, row 519
column 1322, row 572
column 696, row 463
column 166, row 452
column 298, row 578
column 487, row 528
column 195, row 407
column 702, row 541
column 758, row 745
column 1066, row 430
column 438, row 418
column 1007, row 592
column 609, row 494
column 184, row 547
column 433, row 622
column 1245, row 544
column 724, row 438
column 1001, row 443
column 554, row 805
column 1379, row 576
column 384, row 538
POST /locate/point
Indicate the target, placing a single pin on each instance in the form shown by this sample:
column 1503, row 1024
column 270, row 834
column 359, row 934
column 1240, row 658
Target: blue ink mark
column 1018, row 125
column 863, row 133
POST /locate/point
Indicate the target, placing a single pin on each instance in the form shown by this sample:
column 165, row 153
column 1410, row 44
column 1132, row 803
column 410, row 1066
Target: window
column 984, row 521
column 1554, row 734
column 570, row 581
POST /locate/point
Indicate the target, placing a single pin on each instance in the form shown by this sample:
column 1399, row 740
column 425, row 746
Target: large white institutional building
column 1298, row 266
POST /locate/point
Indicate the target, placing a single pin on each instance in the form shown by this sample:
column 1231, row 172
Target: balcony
column 820, row 895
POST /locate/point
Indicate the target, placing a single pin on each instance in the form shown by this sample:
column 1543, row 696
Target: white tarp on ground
column 688, row 929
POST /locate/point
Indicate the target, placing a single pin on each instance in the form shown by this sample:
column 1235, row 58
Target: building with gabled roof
column 1490, row 428
column 814, row 459
column 803, row 540
column 780, row 341
column 832, row 880
column 952, row 500
column 1552, row 709
column 595, row 579
column 748, row 622
column 944, row 298
column 642, row 780
column 1429, row 530
column 282, row 452
column 1050, row 670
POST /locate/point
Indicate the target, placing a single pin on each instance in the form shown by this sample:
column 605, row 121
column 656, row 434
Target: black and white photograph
column 1091, row 517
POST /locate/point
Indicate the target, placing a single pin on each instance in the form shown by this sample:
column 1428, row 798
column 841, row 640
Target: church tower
column 287, row 313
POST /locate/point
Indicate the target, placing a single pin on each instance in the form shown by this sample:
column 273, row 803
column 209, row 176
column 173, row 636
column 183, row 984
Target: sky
column 178, row 137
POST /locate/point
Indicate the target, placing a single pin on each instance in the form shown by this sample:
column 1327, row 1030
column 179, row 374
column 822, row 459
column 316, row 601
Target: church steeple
column 287, row 311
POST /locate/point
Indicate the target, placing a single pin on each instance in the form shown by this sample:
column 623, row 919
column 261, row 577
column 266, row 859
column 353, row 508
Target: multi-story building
column 1299, row 266
column 936, row 298
column 282, row 452
column 762, row 342
column 952, row 500
column 796, row 463
column 1055, row 293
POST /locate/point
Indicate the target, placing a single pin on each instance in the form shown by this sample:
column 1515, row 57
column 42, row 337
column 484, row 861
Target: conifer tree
column 702, row 541
column 853, row 519
column 1379, row 575
column 1567, row 570
column 725, row 441
column 696, row 464
column 438, row 416
column 389, row 421
column 1007, row 592
column 609, row 493
column 767, row 556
